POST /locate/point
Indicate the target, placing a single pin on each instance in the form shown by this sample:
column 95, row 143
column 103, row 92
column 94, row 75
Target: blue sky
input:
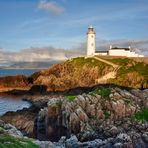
column 63, row 23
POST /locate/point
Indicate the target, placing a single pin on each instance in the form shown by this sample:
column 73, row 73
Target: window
column 92, row 36
column 92, row 44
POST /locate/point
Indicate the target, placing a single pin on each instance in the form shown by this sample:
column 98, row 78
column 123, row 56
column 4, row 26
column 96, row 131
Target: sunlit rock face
column 14, row 82
column 82, row 115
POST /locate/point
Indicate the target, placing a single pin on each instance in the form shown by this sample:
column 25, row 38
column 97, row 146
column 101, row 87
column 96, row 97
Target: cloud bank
column 50, row 6
column 39, row 54
column 55, row 54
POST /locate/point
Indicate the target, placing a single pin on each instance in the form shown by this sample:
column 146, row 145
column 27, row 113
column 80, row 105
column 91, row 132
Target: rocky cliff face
column 22, row 120
column 81, row 72
column 78, row 72
column 100, row 114
column 14, row 82
column 104, row 117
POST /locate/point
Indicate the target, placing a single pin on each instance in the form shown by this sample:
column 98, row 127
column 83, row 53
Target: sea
column 13, row 72
column 11, row 103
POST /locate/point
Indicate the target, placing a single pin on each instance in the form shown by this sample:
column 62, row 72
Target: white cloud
column 51, row 53
column 39, row 54
column 50, row 6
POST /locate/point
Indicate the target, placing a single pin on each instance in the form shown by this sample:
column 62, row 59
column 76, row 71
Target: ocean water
column 13, row 72
column 10, row 103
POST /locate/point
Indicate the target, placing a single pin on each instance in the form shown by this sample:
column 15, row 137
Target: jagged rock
column 118, row 145
column 72, row 142
column 45, row 144
column 122, row 137
column 92, row 144
column 62, row 140
column 113, row 131
column 145, row 136
column 86, row 110
column 12, row 130
column 116, row 96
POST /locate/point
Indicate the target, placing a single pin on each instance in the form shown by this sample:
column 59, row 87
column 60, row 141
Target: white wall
column 91, row 44
column 122, row 52
column 101, row 53
column 117, row 52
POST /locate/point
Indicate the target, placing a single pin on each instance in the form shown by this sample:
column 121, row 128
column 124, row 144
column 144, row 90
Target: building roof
column 102, row 51
column 116, row 48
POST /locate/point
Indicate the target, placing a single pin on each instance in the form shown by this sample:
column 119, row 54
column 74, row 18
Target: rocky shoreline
column 104, row 117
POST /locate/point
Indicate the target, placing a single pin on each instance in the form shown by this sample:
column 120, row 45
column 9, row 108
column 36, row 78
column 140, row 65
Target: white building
column 126, row 52
column 91, row 47
column 113, row 51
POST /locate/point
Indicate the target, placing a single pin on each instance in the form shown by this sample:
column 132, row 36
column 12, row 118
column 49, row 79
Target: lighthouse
column 91, row 41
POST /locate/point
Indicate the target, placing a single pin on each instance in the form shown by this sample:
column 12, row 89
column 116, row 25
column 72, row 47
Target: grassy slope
column 132, row 73
column 8, row 141
column 77, row 72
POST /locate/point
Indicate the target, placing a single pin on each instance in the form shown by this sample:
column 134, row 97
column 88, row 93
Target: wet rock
column 145, row 136
column 22, row 119
column 45, row 144
column 72, row 142
column 12, row 130
column 122, row 137
column 114, row 131
column 118, row 145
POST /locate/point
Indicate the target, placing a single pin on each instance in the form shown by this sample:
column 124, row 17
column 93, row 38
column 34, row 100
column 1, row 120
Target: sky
column 30, row 25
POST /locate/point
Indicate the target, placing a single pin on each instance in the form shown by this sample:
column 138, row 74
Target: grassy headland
column 133, row 72
column 83, row 72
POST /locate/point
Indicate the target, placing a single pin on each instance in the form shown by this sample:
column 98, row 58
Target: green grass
column 7, row 141
column 70, row 98
column 129, row 67
column 106, row 114
column 79, row 62
column 103, row 92
column 120, row 61
column 139, row 67
column 142, row 115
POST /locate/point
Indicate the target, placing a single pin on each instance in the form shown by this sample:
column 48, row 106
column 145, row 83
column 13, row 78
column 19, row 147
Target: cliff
column 104, row 117
column 82, row 72
column 77, row 72
column 133, row 72
column 87, row 72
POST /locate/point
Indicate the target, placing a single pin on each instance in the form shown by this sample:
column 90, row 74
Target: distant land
column 30, row 65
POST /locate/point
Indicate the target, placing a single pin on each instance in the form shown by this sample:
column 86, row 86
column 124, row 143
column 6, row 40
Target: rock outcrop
column 92, row 116
column 22, row 120
column 102, row 118
column 19, row 82
column 81, row 72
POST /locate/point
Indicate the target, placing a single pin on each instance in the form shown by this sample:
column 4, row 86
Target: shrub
column 142, row 115
column 106, row 114
column 70, row 98
column 104, row 92
column 7, row 141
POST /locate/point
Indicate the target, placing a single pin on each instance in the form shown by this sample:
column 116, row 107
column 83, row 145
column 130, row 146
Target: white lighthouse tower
column 91, row 41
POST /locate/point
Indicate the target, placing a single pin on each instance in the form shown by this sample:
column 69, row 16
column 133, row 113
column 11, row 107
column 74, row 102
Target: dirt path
column 107, row 62
column 110, row 75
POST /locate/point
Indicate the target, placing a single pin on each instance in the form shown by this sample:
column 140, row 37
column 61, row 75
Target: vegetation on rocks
column 103, row 92
column 82, row 72
column 132, row 72
column 77, row 72
column 106, row 114
column 142, row 115
column 70, row 98
column 9, row 141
